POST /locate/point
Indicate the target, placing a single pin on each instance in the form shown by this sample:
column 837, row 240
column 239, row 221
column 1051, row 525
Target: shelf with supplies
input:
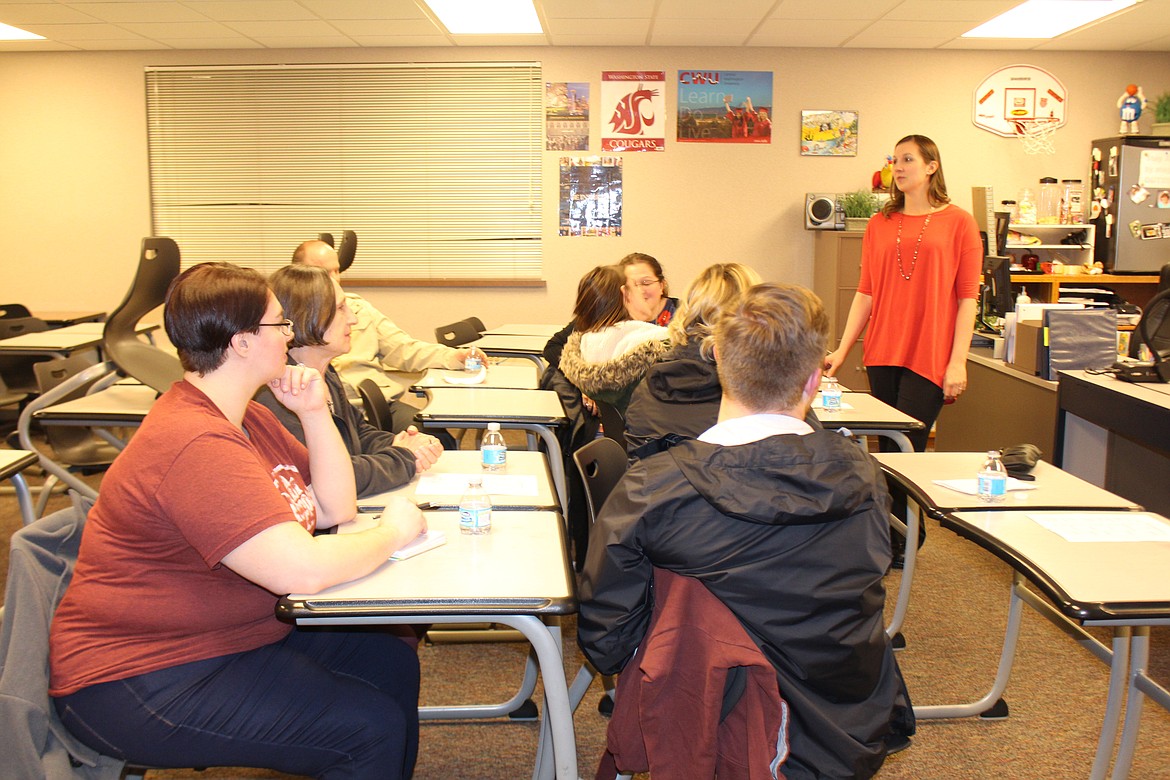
column 1052, row 238
column 1046, row 287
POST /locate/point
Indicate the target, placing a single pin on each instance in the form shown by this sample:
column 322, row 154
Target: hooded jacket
column 680, row 395
column 791, row 533
column 606, row 365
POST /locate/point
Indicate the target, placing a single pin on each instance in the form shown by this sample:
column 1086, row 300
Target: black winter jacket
column 378, row 465
column 792, row 534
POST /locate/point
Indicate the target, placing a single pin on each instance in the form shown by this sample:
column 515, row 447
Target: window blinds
column 435, row 166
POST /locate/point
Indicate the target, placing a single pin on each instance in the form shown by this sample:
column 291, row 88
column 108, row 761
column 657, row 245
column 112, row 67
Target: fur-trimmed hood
column 614, row 374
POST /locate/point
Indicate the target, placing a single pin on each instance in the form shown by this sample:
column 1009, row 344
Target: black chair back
column 456, row 334
column 376, row 406
column 158, row 265
column 601, row 462
column 347, row 250
column 11, row 310
column 327, row 238
column 17, row 370
column 612, row 423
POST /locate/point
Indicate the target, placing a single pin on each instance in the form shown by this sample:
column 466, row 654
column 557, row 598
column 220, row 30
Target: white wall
column 74, row 192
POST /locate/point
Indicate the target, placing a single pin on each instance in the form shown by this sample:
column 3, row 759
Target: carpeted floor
column 953, row 631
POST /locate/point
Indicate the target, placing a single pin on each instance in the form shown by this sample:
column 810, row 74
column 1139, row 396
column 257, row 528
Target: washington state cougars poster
column 633, row 111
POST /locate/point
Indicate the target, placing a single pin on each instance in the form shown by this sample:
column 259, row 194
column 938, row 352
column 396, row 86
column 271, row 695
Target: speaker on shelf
column 822, row 211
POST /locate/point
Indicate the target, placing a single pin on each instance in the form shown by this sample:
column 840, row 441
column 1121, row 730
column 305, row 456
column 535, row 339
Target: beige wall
column 74, row 195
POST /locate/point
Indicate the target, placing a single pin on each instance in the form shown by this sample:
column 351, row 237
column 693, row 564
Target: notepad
column 1104, row 527
column 428, row 540
column 465, row 378
column 971, row 486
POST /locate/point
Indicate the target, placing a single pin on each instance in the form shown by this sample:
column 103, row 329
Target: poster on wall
column 725, row 106
column 633, row 110
column 828, row 133
column 566, row 116
column 591, row 196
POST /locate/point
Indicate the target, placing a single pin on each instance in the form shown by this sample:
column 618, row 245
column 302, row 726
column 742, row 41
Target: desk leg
column 1139, row 656
column 557, row 718
column 23, row 498
column 911, row 557
column 473, row 711
column 556, row 461
column 1006, row 658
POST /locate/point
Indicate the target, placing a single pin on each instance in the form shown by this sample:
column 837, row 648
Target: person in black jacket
column 786, row 525
column 318, row 309
column 680, row 393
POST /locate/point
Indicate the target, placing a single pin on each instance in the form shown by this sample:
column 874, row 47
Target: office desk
column 12, row 462
column 510, row 377
column 525, row 329
column 516, row 575
column 1114, row 434
column 867, row 416
column 1119, row 584
column 521, row 463
column 530, row 347
column 534, row 411
column 61, row 341
column 915, row 472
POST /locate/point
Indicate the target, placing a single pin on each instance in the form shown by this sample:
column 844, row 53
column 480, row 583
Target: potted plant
column 858, row 206
column 1161, row 108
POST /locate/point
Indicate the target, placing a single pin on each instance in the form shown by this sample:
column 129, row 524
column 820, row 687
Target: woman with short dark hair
column 314, row 300
column 165, row 650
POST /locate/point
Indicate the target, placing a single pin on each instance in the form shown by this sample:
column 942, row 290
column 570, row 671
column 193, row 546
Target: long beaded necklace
column 917, row 245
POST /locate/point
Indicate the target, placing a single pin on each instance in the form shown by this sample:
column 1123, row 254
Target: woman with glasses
column 165, row 650
column 608, row 353
column 646, row 290
column 314, row 300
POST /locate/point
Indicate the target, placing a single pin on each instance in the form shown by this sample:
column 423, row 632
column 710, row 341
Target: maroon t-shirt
column 149, row 591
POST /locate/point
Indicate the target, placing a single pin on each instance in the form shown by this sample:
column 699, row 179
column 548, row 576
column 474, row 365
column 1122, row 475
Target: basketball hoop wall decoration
column 1024, row 102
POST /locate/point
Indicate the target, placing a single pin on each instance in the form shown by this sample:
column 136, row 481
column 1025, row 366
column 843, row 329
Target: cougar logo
column 628, row 118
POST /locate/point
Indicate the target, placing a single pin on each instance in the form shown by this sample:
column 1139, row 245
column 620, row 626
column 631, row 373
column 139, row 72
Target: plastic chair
column 456, row 334
column 12, row 310
column 79, row 450
column 326, row 237
column 477, row 323
column 612, row 423
column 347, row 250
column 602, row 463
column 376, row 406
column 17, row 370
column 158, row 265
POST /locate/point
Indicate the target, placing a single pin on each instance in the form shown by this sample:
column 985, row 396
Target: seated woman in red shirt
column 165, row 650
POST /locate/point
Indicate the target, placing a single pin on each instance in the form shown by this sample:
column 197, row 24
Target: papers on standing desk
column 493, row 484
column 971, row 486
column 1104, row 526
column 427, row 540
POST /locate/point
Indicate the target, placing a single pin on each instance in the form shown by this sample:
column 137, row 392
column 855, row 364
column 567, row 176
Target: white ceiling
column 95, row 25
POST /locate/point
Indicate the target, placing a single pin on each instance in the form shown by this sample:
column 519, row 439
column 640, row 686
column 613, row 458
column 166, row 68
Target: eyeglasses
column 286, row 326
column 647, row 282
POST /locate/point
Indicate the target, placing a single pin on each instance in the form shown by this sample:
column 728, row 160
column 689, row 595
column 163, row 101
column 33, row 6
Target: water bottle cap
column 493, row 426
column 475, row 482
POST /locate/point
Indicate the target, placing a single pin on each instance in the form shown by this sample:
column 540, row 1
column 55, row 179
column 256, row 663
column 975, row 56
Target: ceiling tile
column 182, row 30
column 154, row 12
column 388, row 41
column 388, row 27
column 311, row 42
column 805, row 33
column 70, row 32
column 251, row 10
column 597, row 9
column 839, row 9
column 607, row 39
column 17, row 14
column 364, row 9
column 705, row 9
column 500, row 40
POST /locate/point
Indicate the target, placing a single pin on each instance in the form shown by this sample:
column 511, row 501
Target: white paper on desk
column 818, row 404
column 464, row 378
column 427, row 540
column 971, row 486
column 1104, row 526
column 493, row 484
column 1009, row 337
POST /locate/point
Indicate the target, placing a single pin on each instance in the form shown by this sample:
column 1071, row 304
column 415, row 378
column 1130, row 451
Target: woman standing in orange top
column 921, row 260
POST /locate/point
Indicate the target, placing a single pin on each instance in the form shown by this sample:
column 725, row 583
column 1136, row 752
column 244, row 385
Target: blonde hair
column 769, row 344
column 714, row 290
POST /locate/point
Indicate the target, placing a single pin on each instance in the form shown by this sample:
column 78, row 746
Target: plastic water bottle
column 992, row 479
column 831, row 395
column 475, row 509
column 473, row 364
column 493, row 452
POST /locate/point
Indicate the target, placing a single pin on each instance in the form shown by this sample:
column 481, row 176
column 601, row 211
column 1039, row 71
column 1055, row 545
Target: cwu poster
column 725, row 106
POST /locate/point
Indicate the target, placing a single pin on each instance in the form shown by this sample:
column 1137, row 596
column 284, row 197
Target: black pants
column 918, row 397
column 907, row 392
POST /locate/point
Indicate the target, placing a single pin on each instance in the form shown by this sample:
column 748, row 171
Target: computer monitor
column 995, row 294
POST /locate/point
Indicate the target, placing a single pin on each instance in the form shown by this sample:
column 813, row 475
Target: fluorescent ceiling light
column 1047, row 18
column 481, row 17
column 10, row 33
